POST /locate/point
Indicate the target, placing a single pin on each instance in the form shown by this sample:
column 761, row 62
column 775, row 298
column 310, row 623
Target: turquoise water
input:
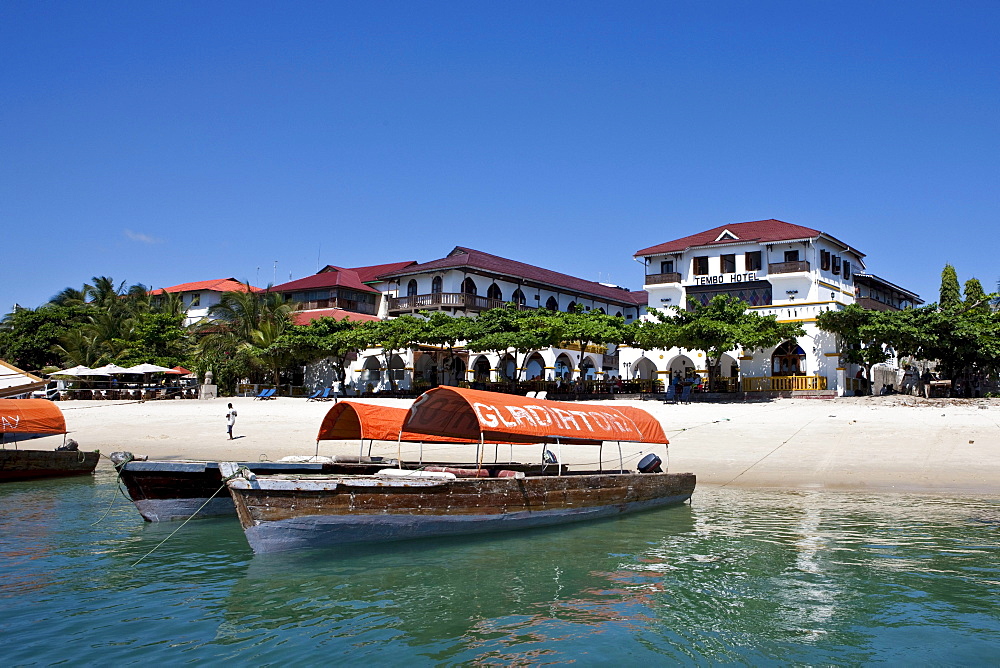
column 739, row 577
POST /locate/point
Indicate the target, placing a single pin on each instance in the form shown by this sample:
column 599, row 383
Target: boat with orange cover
column 178, row 489
column 23, row 419
column 287, row 512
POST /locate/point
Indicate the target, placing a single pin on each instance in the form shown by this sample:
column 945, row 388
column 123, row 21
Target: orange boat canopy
column 348, row 420
column 31, row 416
column 472, row 414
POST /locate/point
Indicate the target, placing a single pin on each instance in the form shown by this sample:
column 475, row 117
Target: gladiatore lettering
column 535, row 416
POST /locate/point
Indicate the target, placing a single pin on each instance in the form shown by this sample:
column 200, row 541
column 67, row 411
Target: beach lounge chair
column 315, row 395
column 266, row 394
column 670, row 397
column 324, row 394
column 259, row 395
column 686, row 394
column 541, row 394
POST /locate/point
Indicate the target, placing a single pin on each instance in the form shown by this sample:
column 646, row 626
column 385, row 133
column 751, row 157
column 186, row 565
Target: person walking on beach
column 231, row 420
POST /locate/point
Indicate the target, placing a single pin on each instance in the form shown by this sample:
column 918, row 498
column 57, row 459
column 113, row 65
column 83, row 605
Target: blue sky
column 166, row 142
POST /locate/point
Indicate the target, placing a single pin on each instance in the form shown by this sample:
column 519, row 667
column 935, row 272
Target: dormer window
column 727, row 236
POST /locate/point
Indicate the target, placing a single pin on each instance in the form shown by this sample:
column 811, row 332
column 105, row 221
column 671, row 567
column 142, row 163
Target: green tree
column 337, row 340
column 28, row 336
column 392, row 336
column 721, row 325
column 509, row 328
column 950, row 295
column 445, row 332
column 583, row 328
column 244, row 335
column 864, row 335
column 975, row 296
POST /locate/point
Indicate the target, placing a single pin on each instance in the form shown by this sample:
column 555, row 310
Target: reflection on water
column 739, row 576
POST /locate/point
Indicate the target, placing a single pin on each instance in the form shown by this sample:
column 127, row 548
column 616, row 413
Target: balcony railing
column 783, row 383
column 875, row 305
column 441, row 300
column 346, row 304
column 670, row 277
column 788, row 267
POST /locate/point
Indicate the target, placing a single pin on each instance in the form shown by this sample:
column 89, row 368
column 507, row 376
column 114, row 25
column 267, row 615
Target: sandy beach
column 868, row 443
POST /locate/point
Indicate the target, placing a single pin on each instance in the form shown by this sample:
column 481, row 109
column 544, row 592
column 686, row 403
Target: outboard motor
column 70, row 445
column 650, row 464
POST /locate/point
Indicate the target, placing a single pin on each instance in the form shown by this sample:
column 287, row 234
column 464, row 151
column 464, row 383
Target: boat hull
column 279, row 515
column 29, row 464
column 167, row 491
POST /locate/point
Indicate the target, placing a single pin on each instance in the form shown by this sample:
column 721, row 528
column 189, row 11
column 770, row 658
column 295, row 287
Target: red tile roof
column 760, row 231
column 467, row 257
column 338, row 314
column 217, row 285
column 328, row 277
column 371, row 274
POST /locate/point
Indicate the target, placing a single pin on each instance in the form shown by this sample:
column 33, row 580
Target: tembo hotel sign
column 719, row 279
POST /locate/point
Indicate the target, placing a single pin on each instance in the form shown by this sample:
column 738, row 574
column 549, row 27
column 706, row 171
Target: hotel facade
column 778, row 268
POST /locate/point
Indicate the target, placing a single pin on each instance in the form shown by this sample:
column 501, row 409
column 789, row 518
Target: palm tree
column 247, row 324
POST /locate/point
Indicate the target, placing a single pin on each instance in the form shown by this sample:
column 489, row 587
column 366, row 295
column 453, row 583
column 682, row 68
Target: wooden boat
column 286, row 512
column 165, row 491
column 29, row 419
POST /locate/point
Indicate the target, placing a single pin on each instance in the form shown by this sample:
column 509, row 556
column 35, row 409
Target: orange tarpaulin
column 31, row 416
column 463, row 413
column 348, row 420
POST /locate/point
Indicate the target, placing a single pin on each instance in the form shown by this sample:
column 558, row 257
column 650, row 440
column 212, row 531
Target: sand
column 879, row 444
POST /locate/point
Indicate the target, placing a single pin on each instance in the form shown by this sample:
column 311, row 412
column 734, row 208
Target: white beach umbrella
column 147, row 368
column 112, row 369
column 74, row 371
column 92, row 372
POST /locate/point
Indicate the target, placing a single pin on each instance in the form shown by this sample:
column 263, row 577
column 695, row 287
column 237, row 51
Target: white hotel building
column 781, row 269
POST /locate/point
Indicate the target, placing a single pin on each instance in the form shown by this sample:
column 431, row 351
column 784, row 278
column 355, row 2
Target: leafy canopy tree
column 396, row 334
column 950, row 295
column 326, row 338
column 721, row 325
column 445, row 332
column 583, row 328
column 28, row 337
column 509, row 328
column 864, row 335
column 963, row 337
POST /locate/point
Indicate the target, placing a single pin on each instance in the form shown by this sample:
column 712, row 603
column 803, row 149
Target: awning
column 31, row 416
column 348, row 420
column 463, row 413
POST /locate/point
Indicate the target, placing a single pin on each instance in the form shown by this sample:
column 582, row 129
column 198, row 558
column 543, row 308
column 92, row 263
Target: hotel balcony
column 788, row 267
column 456, row 301
column 656, row 279
column 874, row 304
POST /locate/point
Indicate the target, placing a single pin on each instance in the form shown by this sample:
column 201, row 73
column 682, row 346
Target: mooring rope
column 236, row 474
column 118, row 487
column 772, row 451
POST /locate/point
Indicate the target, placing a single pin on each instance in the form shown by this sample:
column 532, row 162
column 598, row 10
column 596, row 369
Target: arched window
column 411, row 288
column 518, row 297
column 469, row 286
column 603, row 312
column 552, row 304
column 618, row 315
column 494, row 292
column 436, row 286
column 788, row 360
column 571, row 307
